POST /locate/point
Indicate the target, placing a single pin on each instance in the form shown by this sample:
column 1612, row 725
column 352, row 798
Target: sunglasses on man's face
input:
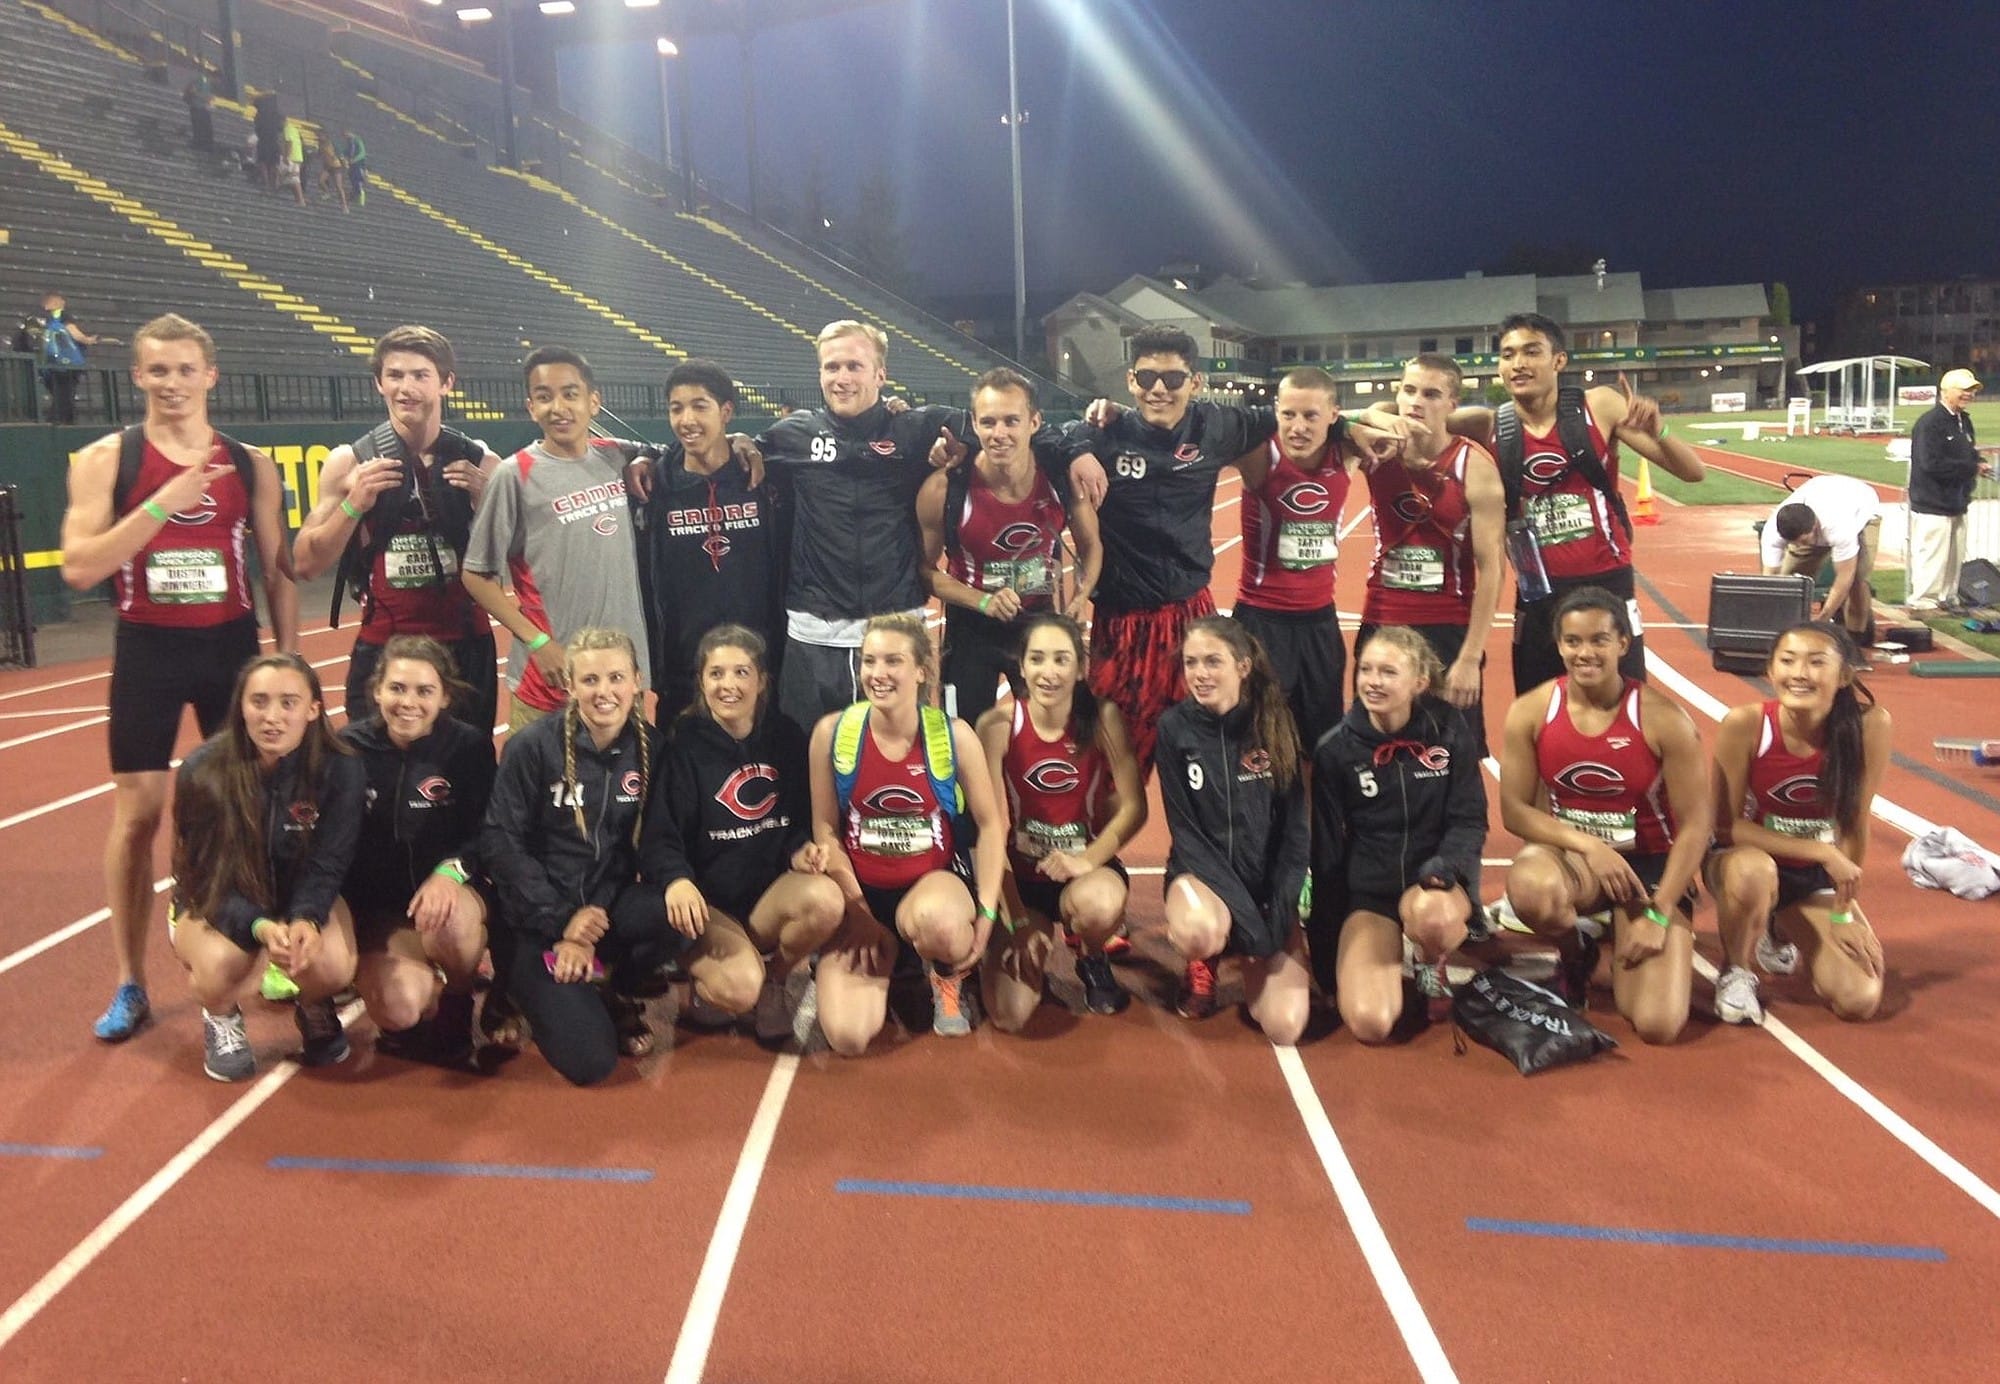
column 1172, row 379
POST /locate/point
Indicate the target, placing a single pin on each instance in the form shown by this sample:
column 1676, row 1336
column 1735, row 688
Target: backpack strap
column 131, row 456
column 940, row 759
column 1573, row 427
column 847, row 732
column 957, row 485
column 246, row 472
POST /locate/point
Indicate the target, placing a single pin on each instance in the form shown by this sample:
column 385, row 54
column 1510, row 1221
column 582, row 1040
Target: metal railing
column 17, row 620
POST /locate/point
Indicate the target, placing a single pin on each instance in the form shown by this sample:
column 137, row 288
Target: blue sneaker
column 127, row 1014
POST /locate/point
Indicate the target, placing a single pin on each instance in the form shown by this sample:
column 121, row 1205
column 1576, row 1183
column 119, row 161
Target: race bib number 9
column 1619, row 830
column 1562, row 518
column 186, row 576
column 1305, row 544
column 1411, row 568
column 407, row 564
column 894, row 836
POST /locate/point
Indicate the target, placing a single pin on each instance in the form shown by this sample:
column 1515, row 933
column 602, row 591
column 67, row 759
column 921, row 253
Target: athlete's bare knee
column 1283, row 1017
column 849, row 1037
column 732, row 984
column 1370, row 1020
column 1855, row 1001
column 1659, row 1026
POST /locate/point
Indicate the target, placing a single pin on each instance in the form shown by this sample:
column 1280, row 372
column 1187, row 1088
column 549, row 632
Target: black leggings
column 571, row 1023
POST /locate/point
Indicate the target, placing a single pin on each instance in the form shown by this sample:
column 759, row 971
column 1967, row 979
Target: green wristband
column 1653, row 915
column 985, row 601
column 347, row 508
column 1841, row 917
column 156, row 509
column 452, row 871
column 538, row 641
column 257, row 928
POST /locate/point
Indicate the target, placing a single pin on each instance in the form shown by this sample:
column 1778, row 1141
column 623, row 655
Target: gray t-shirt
column 560, row 533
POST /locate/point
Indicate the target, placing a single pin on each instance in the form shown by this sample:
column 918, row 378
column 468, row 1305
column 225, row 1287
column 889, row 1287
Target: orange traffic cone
column 1645, row 509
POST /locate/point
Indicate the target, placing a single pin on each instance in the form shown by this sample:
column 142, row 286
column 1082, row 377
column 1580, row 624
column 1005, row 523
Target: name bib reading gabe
column 1412, row 568
column 894, row 836
column 407, row 563
column 186, row 576
column 1562, row 518
column 1619, row 830
column 1304, row 544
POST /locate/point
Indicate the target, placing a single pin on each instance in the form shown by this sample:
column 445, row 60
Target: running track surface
column 1172, row 1199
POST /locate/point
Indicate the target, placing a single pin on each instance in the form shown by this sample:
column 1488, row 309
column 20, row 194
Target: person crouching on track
column 1073, row 797
column 266, row 815
column 1234, row 792
column 728, row 838
column 904, row 815
column 414, row 886
column 1603, row 779
column 561, row 843
column 1399, row 819
column 1795, row 779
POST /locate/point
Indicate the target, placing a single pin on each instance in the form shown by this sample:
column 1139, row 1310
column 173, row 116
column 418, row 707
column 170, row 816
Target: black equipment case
column 1745, row 614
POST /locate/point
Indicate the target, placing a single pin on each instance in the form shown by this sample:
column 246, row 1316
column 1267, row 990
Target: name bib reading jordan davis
column 1619, row 830
column 1561, row 518
column 186, row 576
column 1412, row 568
column 1801, row 828
column 894, row 836
column 1036, row 839
column 407, row 564
column 1304, row 544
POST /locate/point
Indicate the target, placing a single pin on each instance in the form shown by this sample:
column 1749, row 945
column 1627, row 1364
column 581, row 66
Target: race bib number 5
column 186, row 576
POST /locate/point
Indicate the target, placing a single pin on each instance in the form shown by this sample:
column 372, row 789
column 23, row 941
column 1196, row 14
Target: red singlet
column 1002, row 546
column 1423, row 573
column 1609, row 785
column 1056, row 792
column 1782, row 792
column 895, row 833
column 1291, row 535
column 1580, row 536
column 404, row 594
column 194, row 573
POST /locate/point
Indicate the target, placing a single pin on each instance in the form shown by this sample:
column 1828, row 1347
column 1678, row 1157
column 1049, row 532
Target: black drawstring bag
column 1526, row 1024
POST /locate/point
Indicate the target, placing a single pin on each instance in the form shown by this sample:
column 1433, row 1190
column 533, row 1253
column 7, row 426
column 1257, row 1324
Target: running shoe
column 1574, row 973
column 126, row 1015
column 1197, row 996
column 773, row 1015
column 276, row 986
column 1117, row 947
column 225, row 1047
column 1736, row 997
column 698, row 1013
column 1102, row 994
column 1777, row 956
column 950, row 1015
column 319, row 1026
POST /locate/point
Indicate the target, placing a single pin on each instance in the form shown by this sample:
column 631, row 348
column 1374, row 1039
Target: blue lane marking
column 518, row 1170
column 75, row 1151
column 1685, row 1239
column 1046, row 1196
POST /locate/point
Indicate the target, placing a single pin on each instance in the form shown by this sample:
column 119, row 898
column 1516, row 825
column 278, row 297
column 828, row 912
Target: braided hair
column 1271, row 725
column 595, row 640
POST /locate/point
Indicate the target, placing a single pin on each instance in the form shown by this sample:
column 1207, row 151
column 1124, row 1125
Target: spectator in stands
column 1835, row 519
column 1944, row 464
column 57, row 342
column 267, row 125
column 201, row 114
column 555, row 523
column 395, row 513
column 329, row 172
column 354, row 155
column 186, row 619
column 291, row 163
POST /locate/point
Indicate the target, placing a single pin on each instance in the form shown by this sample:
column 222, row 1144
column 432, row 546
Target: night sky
column 1819, row 144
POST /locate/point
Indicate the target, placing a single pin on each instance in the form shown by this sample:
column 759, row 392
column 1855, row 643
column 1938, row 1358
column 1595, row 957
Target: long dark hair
column 219, row 843
column 1841, row 768
column 1271, row 726
column 1083, row 713
column 730, row 637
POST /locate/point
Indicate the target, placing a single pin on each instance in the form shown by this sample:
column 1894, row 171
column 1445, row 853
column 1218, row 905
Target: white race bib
column 1412, row 568
column 1562, row 518
column 1304, row 544
column 1619, row 830
column 186, row 576
column 407, row 564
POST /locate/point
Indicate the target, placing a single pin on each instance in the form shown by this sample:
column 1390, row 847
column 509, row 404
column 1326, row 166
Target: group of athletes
column 818, row 786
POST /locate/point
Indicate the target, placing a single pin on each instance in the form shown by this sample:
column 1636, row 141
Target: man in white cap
column 1944, row 464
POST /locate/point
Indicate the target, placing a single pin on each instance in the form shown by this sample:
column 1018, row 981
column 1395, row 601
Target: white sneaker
column 1777, row 956
column 1736, row 997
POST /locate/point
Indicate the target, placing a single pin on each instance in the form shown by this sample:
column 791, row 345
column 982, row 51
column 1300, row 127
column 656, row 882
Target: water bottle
column 1524, row 550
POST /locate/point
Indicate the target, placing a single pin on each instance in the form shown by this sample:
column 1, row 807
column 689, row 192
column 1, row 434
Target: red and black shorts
column 1135, row 663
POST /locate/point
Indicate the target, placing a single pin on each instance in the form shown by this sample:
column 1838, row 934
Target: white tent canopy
column 1853, row 401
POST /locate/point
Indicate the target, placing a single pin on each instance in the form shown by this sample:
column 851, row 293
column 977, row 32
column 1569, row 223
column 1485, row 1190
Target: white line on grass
column 1418, row 1337
column 107, row 1231
column 705, row 1307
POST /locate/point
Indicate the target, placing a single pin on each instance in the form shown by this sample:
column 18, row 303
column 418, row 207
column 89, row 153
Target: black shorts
column 478, row 668
column 1254, row 938
column 1390, row 906
column 1310, row 659
column 1649, row 866
column 1044, row 896
column 1797, row 883
column 1536, row 658
column 816, row 679
column 1447, row 641
column 156, row 671
column 375, row 920
column 978, row 652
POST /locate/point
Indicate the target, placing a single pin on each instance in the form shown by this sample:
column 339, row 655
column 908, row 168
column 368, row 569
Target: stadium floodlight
column 641, row 4
column 554, row 7
column 666, row 47
column 477, row 15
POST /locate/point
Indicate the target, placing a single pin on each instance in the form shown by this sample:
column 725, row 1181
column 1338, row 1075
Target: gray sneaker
column 1777, row 956
column 951, row 1015
column 1736, row 997
column 225, row 1047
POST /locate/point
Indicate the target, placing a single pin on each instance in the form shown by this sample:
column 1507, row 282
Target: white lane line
column 49, row 711
column 107, row 1231
column 29, row 814
column 1394, row 1285
column 264, row 640
column 64, row 933
column 84, row 724
column 705, row 1307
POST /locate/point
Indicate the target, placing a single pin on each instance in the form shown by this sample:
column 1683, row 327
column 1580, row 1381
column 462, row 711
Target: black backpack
column 1573, row 427
column 447, row 509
